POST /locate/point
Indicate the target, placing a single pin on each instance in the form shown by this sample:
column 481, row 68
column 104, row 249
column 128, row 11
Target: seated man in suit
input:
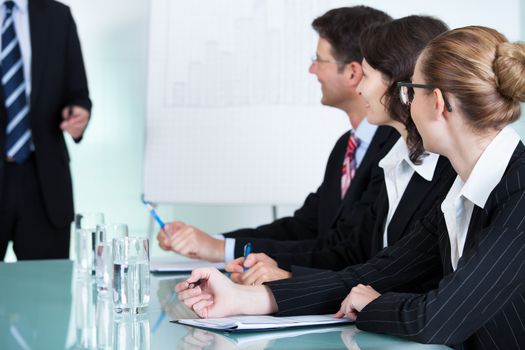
column 348, row 176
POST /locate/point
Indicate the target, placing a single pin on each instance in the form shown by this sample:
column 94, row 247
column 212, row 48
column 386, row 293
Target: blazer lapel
column 372, row 157
column 38, row 26
column 416, row 191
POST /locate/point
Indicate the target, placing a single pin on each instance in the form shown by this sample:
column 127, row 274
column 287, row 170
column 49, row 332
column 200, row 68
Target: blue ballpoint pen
column 247, row 251
column 154, row 214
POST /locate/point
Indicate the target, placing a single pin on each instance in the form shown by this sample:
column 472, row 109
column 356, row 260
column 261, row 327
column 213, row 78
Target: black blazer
column 58, row 79
column 323, row 209
column 361, row 242
column 481, row 305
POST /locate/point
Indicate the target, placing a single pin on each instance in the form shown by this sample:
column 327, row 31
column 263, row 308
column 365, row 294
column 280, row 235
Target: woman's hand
column 261, row 268
column 211, row 294
column 359, row 297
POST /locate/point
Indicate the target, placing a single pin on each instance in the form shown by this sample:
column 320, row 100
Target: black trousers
column 23, row 217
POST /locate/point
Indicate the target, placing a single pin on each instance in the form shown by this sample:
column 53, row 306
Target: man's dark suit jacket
column 323, row 210
column 58, row 79
column 481, row 305
column 361, row 242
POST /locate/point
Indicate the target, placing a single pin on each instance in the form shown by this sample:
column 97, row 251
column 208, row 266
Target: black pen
column 194, row 284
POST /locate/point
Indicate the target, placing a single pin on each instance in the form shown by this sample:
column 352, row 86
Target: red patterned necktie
column 349, row 164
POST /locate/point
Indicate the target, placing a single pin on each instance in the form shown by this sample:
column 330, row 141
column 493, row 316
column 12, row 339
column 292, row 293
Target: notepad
column 263, row 323
column 173, row 265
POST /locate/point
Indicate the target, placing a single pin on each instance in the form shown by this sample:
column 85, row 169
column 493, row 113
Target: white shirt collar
column 365, row 132
column 399, row 153
column 490, row 167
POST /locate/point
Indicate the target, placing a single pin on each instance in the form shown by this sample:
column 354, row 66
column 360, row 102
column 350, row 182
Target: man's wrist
column 219, row 249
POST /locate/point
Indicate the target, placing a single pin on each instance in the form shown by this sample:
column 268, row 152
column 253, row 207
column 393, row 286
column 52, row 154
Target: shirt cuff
column 229, row 249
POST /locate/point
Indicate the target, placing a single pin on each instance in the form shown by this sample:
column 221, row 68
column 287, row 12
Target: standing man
column 44, row 93
column 348, row 175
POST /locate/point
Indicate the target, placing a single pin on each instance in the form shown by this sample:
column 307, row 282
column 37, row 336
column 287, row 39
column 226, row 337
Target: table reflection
column 98, row 326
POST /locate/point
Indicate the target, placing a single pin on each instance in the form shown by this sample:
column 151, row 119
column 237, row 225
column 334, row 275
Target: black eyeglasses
column 406, row 93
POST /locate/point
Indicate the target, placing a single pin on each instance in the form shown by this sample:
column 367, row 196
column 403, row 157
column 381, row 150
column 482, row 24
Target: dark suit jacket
column 361, row 242
column 58, row 79
column 481, row 305
column 323, row 209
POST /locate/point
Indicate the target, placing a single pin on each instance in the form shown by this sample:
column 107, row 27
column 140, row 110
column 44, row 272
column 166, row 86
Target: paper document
column 172, row 265
column 262, row 323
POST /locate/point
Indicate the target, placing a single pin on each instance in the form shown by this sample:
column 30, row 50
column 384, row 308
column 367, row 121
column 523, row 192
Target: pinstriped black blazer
column 324, row 209
column 481, row 305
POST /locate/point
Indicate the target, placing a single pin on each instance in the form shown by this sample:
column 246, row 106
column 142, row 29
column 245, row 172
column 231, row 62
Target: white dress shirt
column 365, row 133
column 459, row 203
column 398, row 169
column 21, row 19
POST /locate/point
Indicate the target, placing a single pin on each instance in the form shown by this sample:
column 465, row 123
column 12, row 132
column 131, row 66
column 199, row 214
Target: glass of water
column 85, row 236
column 104, row 253
column 131, row 281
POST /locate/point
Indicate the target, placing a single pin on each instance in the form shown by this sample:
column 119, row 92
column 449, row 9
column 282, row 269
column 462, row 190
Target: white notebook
column 173, row 265
column 263, row 323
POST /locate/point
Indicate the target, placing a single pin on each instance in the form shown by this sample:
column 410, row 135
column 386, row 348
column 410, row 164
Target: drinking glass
column 85, row 236
column 131, row 280
column 104, row 254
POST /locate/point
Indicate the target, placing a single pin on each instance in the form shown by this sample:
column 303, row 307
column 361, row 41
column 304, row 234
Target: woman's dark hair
column 393, row 48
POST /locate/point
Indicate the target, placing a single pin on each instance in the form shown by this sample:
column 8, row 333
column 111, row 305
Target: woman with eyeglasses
column 465, row 92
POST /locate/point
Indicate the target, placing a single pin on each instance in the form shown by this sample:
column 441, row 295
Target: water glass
column 104, row 253
column 131, row 280
column 85, row 240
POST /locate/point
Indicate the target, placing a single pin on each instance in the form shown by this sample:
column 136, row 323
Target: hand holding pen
column 188, row 240
column 164, row 236
column 217, row 296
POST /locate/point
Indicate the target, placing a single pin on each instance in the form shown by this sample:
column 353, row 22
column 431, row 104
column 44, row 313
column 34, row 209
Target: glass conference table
column 46, row 305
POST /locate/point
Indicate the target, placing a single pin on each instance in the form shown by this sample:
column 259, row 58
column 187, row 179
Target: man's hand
column 261, row 268
column 191, row 242
column 359, row 297
column 75, row 119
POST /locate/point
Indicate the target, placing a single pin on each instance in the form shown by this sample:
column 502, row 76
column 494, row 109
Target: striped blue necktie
column 18, row 132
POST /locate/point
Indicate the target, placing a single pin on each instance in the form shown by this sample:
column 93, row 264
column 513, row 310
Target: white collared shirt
column 21, row 21
column 459, row 204
column 398, row 169
column 364, row 132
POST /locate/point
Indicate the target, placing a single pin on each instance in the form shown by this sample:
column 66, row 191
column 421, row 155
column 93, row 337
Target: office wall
column 107, row 166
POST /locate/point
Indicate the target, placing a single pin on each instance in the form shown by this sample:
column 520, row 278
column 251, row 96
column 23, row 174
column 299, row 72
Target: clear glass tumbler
column 104, row 253
column 85, row 240
column 131, row 279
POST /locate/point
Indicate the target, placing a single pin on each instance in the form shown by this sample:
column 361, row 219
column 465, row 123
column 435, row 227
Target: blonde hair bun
column 509, row 67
